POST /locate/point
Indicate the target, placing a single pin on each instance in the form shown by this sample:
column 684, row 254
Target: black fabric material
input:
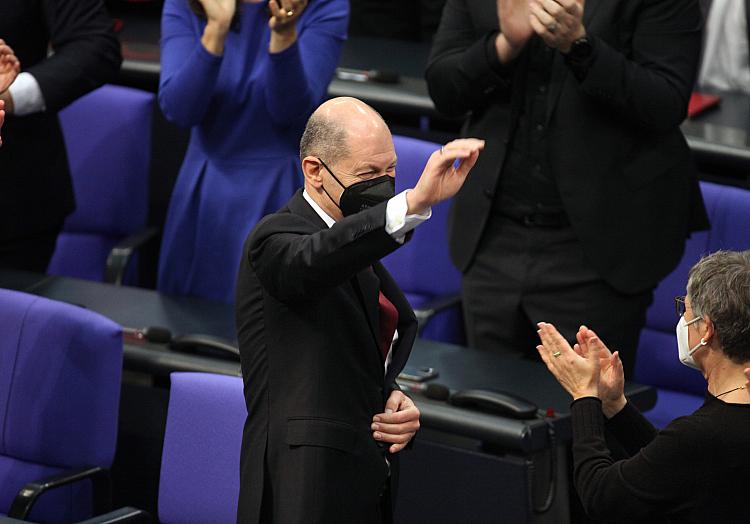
column 693, row 471
column 35, row 187
column 523, row 275
column 307, row 306
column 622, row 167
column 31, row 253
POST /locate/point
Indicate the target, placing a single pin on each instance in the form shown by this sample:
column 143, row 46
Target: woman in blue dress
column 244, row 76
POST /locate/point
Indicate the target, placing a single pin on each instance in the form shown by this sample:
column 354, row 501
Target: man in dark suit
column 35, row 187
column 324, row 330
column 586, row 191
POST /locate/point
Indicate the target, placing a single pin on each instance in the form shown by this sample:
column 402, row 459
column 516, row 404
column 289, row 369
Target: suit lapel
column 559, row 68
column 368, row 289
column 407, row 323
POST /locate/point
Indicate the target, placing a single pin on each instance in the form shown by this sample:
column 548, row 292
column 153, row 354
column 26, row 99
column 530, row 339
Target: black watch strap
column 580, row 57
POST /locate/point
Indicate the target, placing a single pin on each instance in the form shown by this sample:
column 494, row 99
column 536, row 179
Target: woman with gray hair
column 695, row 469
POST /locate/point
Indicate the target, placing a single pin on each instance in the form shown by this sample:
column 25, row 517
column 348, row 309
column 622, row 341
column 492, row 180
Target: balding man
column 324, row 330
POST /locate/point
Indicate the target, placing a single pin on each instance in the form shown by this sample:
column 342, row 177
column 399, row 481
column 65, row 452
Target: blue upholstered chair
column 423, row 267
column 108, row 140
column 200, row 469
column 681, row 390
column 60, row 369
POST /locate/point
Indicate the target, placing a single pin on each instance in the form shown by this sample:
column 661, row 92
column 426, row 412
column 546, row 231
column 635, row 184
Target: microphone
column 153, row 334
column 432, row 391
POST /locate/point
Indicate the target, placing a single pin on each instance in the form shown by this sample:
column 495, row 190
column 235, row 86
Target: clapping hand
column 611, row 374
column 441, row 178
column 578, row 373
column 515, row 22
column 558, row 22
column 220, row 12
column 9, row 66
column 285, row 13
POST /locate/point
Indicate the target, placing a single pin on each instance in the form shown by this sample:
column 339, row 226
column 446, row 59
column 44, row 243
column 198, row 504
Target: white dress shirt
column 27, row 95
column 397, row 224
column 726, row 57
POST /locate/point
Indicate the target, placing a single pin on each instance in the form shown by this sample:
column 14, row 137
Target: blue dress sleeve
column 298, row 77
column 188, row 71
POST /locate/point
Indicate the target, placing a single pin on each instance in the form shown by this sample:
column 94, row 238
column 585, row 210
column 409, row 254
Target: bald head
column 336, row 125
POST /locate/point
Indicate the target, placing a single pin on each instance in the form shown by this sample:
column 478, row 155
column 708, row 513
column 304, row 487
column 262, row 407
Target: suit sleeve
column 652, row 87
column 464, row 71
column 660, row 476
column 86, row 51
column 291, row 263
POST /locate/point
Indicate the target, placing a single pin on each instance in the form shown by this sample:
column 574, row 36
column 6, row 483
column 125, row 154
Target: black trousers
column 31, row 253
column 522, row 275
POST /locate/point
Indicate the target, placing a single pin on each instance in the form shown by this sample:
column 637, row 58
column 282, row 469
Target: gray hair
column 719, row 286
column 325, row 139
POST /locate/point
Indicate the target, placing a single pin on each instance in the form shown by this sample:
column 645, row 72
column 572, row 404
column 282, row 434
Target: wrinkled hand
column 515, row 24
column 398, row 424
column 611, row 374
column 558, row 22
column 578, row 374
column 281, row 20
column 441, row 179
column 9, row 66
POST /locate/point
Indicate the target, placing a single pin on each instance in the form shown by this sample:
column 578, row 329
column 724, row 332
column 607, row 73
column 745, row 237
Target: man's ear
column 311, row 169
column 709, row 329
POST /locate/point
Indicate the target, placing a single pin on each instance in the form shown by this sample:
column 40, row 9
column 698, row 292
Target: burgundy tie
column 388, row 323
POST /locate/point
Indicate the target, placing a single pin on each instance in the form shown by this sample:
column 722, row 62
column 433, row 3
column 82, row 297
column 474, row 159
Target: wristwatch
column 580, row 56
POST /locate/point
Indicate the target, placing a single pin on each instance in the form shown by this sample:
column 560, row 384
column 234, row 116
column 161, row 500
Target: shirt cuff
column 27, row 95
column 397, row 222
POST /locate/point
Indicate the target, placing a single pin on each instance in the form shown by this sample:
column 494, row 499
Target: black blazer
column 307, row 321
column 622, row 166
column 35, row 188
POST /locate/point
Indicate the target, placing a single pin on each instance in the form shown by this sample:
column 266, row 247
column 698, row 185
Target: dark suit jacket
column 307, row 321
column 621, row 164
column 35, row 188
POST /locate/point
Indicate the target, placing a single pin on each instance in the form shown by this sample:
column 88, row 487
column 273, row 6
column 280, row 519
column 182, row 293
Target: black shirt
column 693, row 471
column 527, row 183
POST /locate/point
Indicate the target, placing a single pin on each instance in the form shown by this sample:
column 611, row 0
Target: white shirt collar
column 319, row 210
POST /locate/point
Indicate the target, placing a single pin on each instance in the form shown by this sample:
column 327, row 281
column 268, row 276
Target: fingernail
column 377, row 435
column 388, row 411
column 374, row 426
column 376, row 418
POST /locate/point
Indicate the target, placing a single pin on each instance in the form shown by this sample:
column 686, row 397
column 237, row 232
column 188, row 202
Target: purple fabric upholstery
column 423, row 267
column 108, row 140
column 200, row 469
column 657, row 363
column 60, row 368
column 82, row 255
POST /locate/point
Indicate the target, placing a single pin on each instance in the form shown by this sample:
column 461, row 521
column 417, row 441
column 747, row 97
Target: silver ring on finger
column 290, row 12
column 552, row 26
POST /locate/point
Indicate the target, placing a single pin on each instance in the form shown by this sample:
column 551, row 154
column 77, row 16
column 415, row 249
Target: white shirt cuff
column 27, row 95
column 397, row 222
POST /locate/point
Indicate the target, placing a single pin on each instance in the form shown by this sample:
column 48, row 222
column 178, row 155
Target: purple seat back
column 200, row 469
column 60, row 368
column 656, row 363
column 108, row 140
column 423, row 268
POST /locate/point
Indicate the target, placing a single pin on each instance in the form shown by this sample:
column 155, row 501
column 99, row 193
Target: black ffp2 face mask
column 364, row 194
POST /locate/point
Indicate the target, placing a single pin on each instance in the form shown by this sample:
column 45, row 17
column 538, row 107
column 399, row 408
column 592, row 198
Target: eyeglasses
column 679, row 305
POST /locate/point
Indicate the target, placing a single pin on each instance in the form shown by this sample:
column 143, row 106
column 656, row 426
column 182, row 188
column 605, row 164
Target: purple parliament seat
column 423, row 268
column 680, row 389
column 200, row 470
column 108, row 140
column 60, row 368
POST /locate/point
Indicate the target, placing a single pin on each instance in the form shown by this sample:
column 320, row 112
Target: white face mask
column 683, row 344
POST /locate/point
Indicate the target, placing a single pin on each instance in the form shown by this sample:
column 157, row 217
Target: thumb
column 393, row 402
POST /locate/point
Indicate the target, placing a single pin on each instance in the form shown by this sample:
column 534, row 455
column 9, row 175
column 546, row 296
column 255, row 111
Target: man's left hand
column 398, row 424
column 558, row 22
